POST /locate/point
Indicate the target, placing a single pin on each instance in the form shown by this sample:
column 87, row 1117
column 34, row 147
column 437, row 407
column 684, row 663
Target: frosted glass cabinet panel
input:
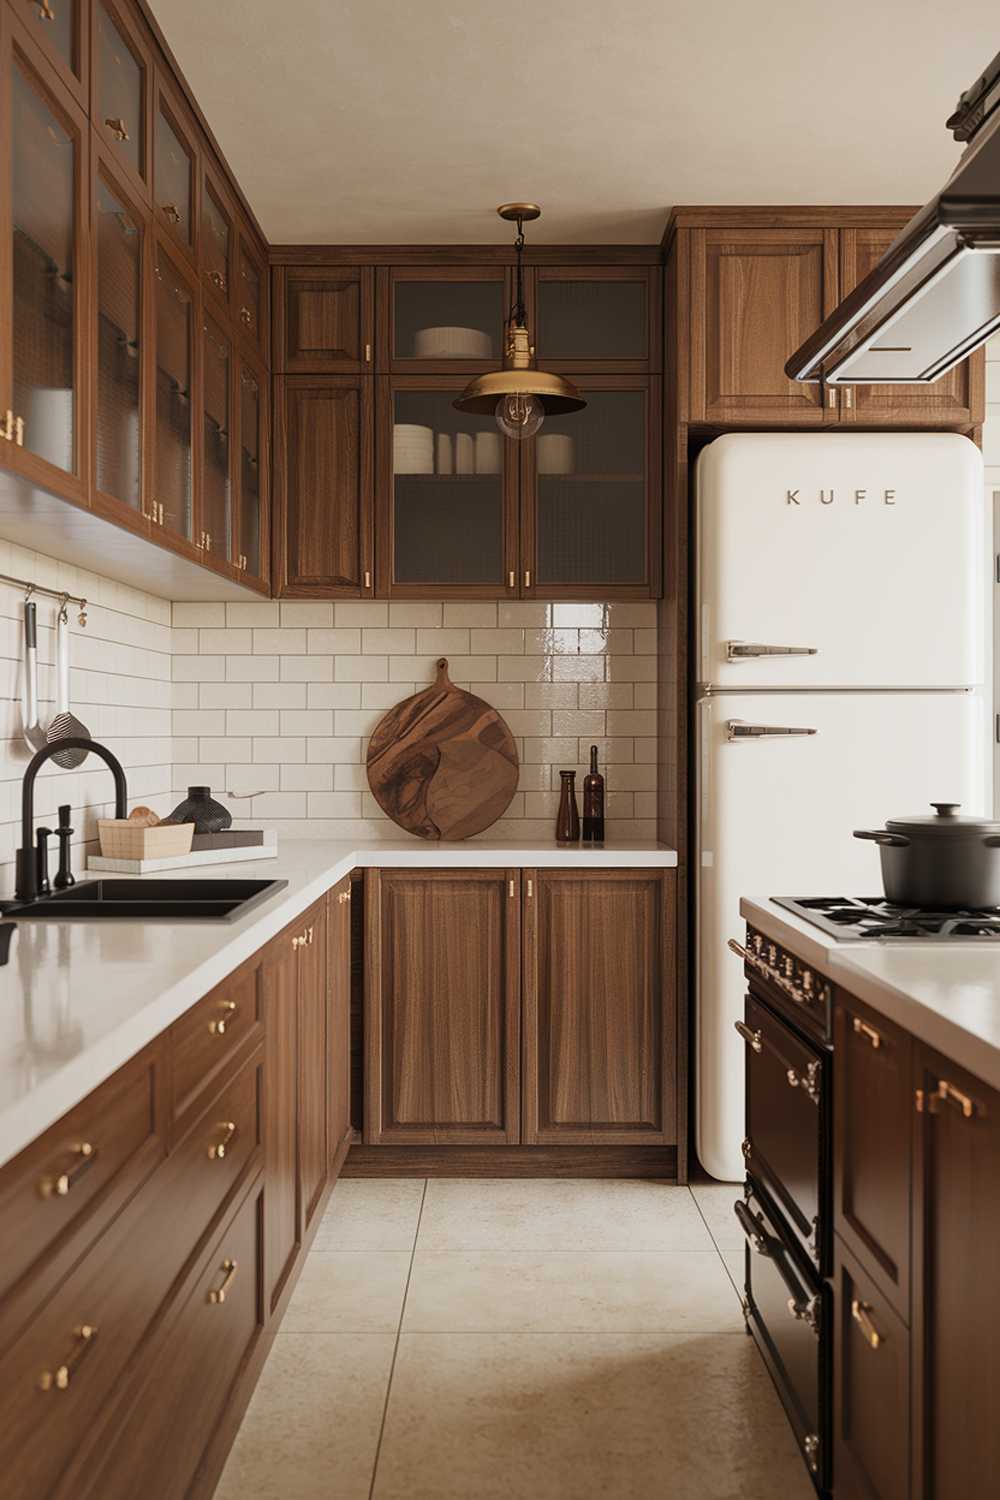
column 118, row 235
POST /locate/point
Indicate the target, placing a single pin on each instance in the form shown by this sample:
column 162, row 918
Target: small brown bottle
column 593, row 803
column 568, row 819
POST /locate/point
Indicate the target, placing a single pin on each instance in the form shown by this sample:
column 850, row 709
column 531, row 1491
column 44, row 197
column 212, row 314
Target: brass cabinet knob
column 217, row 279
column 118, row 128
column 172, row 212
column 217, row 1151
column 59, row 1378
column 246, row 316
column 230, row 1010
column 45, row 11
column 63, row 1182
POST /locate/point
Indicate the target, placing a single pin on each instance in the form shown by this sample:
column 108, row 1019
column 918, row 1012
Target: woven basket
column 123, row 839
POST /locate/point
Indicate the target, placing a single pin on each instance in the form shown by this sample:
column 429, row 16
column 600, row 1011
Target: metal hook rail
column 40, row 588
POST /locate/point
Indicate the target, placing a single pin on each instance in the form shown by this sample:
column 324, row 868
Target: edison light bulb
column 519, row 416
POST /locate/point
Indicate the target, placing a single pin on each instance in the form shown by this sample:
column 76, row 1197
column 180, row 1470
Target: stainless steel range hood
column 935, row 294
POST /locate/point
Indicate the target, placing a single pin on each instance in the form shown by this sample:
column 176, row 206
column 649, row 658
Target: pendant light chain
column 518, row 313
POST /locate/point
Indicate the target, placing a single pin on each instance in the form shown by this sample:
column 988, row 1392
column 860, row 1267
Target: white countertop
column 947, row 994
column 78, row 999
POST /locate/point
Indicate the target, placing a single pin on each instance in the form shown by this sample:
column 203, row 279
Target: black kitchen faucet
column 26, row 885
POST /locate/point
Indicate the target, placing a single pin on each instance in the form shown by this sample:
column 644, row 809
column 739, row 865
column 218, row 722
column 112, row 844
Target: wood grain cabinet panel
column 314, row 1064
column 871, row 1388
column 339, row 994
column 599, row 1027
column 323, row 487
column 956, row 1341
column 323, row 319
column 61, row 31
column 210, row 1036
column 872, row 1145
column 756, row 295
column 281, row 1212
column 957, row 399
column 442, row 1006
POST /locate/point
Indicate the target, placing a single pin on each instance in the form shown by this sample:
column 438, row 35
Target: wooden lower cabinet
column 599, row 1036
column 314, row 1065
column 442, row 1015
column 338, row 981
column 871, row 1396
column 956, row 1324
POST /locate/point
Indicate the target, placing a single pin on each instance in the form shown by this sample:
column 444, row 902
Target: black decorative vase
column 200, row 808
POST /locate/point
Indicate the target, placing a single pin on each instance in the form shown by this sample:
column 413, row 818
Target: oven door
column 787, row 1146
column 788, row 1313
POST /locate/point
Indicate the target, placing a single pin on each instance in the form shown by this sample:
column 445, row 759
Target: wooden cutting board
column 443, row 764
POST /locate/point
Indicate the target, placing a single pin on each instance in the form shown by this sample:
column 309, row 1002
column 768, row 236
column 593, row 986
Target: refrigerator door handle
column 741, row 650
column 739, row 729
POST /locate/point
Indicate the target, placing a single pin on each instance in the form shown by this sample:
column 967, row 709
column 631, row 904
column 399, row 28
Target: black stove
column 849, row 918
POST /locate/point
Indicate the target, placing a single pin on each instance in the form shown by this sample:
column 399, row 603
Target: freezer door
column 775, row 815
column 863, row 552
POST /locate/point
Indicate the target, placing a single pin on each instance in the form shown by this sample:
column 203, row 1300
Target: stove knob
column 788, row 964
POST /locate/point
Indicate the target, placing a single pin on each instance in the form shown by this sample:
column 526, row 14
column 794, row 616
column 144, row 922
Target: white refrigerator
column 840, row 663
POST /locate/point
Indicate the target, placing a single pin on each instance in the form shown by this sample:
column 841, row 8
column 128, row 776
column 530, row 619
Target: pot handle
column 884, row 838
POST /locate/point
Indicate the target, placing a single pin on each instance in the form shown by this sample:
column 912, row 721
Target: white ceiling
column 382, row 121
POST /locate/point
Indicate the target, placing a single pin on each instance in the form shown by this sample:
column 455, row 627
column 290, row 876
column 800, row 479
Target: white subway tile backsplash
column 315, row 721
column 305, row 668
column 333, row 642
column 252, row 614
column 443, row 642
column 199, row 668
column 279, row 750
column 361, row 668
column 369, row 612
column 307, row 778
column 306, row 613
column 199, row 614
column 253, row 668
column 253, row 721
column 396, row 641
column 279, row 694
column 279, row 642
column 468, row 612
column 415, row 612
column 333, row 695
column 226, row 642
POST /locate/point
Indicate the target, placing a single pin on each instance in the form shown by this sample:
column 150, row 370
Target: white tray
column 197, row 857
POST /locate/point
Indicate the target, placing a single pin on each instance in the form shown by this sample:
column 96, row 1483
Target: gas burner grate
column 846, row 917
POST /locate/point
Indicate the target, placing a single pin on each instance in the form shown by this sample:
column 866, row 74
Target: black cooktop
column 848, row 918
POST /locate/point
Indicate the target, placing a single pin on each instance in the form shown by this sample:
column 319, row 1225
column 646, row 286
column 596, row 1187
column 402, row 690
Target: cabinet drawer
column 218, row 1147
column 84, row 1167
column 871, row 1401
column 206, row 1039
column 189, row 1369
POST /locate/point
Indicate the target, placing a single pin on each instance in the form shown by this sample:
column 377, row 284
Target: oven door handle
column 800, row 1304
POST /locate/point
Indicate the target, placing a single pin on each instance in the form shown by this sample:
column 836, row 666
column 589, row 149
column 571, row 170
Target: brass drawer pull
column 299, row 942
column 18, row 432
column 118, row 129
column 58, row 1187
column 172, row 212
column 59, row 1379
column 217, row 1294
column 309, row 936
column 230, row 1010
column 345, row 896
column 218, row 1151
column 45, row 11
column 217, row 279
column 246, row 317
column 861, row 1028
column 752, row 1038
column 860, row 1313
column 947, row 1093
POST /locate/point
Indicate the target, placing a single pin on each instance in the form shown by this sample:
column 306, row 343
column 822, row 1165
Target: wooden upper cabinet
column 591, row 495
column 955, row 1324
column 957, row 399
column 252, row 506
column 323, row 319
column 442, row 1007
column 597, row 319
column 755, row 296
column 216, row 531
column 250, row 295
column 61, row 30
column 599, row 1007
column 441, row 318
column 122, row 88
column 872, row 1145
column 44, row 272
column 323, row 486
column 217, row 239
column 176, row 439
column 175, row 168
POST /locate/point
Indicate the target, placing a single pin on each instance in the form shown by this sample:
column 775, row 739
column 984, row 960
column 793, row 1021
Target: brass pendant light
column 519, row 396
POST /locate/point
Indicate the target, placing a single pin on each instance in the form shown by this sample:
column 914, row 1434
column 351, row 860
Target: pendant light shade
column 519, row 396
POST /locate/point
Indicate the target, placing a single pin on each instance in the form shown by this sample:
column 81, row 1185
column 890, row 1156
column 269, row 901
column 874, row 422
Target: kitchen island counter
column 80, row 998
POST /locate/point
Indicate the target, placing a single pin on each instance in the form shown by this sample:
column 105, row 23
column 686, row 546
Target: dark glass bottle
column 568, row 820
column 593, row 803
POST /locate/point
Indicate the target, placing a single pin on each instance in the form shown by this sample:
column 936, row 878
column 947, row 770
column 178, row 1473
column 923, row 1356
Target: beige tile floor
column 517, row 1340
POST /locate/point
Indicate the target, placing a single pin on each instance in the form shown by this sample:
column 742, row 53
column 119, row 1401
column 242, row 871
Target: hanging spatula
column 64, row 725
column 33, row 732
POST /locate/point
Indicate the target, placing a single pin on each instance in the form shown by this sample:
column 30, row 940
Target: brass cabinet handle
column 860, row 1313
column 809, row 1082
column 309, row 936
column 947, row 1093
column 7, row 431
column 752, row 1038
column 118, row 129
column 59, row 1378
column 848, row 397
column 527, row 578
column 368, row 354
column 531, row 889
column 208, row 541
column 172, row 212
column 861, row 1028
column 343, row 897
column 299, row 942
column 217, row 279
column 511, row 579
column 59, row 1186
column 831, row 396
column 217, row 1295
column 510, row 888
column 368, row 578
column 246, row 316
column 19, row 432
column 230, row 1011
column 218, row 1151
column 45, row 11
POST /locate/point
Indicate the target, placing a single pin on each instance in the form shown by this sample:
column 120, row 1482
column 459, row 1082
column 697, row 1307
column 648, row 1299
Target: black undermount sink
column 149, row 900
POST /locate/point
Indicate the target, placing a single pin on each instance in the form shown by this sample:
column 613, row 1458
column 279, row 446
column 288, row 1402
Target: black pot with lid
column 940, row 861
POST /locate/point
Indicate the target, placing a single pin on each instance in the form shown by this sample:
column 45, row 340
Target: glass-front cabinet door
column 43, row 369
column 433, row 319
column 215, row 248
column 118, row 239
column 59, row 27
column 446, row 495
column 590, row 482
column 174, row 170
column 251, row 475
column 216, row 530
column 173, row 490
column 120, row 90
column 250, row 303
column 597, row 318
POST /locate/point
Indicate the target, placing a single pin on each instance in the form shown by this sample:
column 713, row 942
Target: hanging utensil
column 64, row 724
column 33, row 732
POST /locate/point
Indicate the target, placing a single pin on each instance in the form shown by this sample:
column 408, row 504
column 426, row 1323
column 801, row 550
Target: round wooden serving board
column 442, row 764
